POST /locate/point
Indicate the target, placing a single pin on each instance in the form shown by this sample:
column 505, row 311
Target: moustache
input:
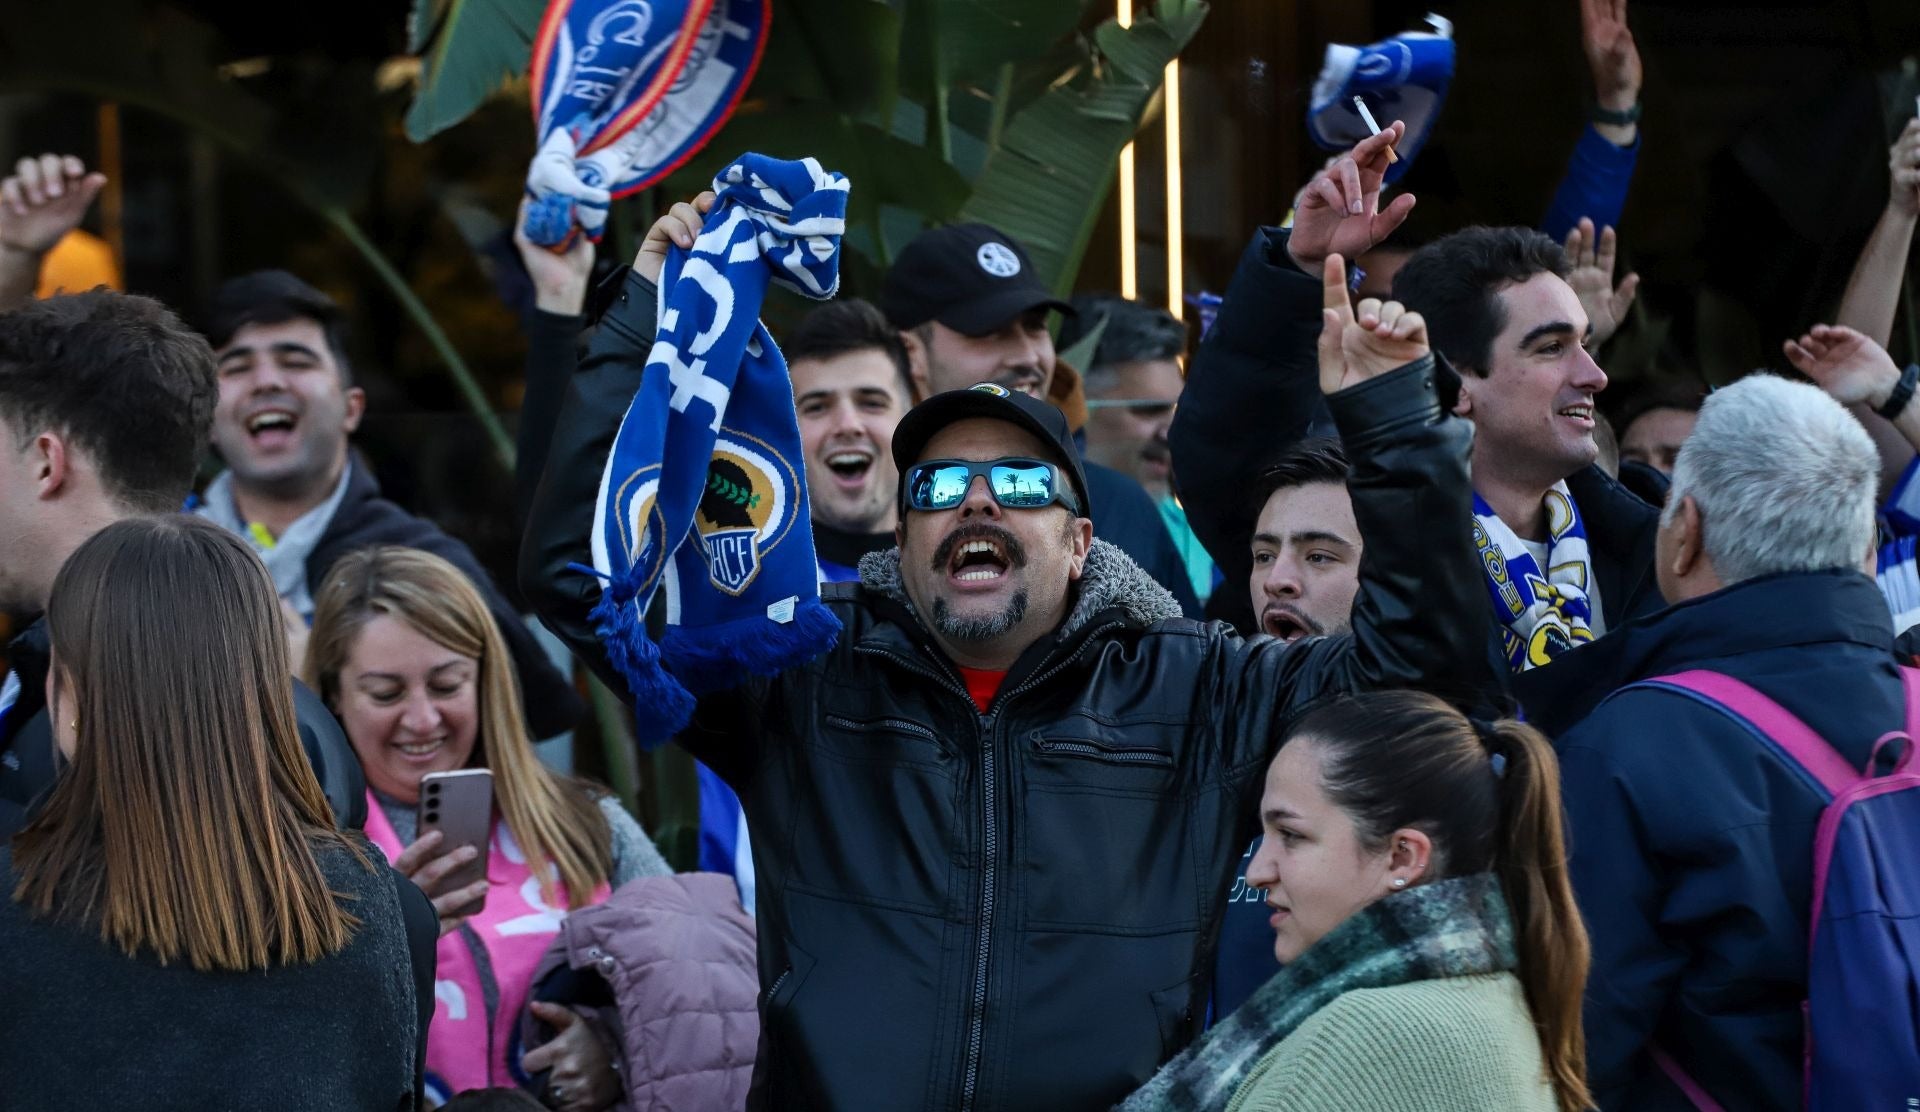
column 1009, row 544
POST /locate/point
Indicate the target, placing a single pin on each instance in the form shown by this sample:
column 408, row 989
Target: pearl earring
column 1399, row 882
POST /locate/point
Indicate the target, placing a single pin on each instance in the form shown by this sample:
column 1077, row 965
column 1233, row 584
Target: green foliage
column 1045, row 183
column 467, row 48
column 993, row 110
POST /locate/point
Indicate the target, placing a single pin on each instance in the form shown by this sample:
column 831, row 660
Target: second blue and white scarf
column 1542, row 612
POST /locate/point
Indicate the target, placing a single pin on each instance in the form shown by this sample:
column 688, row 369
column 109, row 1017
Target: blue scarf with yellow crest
column 704, row 498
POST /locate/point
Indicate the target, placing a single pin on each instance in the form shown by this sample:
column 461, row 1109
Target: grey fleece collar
column 1109, row 579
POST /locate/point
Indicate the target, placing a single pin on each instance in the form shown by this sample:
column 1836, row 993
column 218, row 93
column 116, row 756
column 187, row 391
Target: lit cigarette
column 1361, row 104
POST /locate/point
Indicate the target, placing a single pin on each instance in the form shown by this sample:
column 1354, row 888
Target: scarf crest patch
column 1542, row 613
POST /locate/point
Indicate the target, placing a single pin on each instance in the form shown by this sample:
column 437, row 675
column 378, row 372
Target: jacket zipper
column 977, row 1028
column 774, row 990
column 990, row 836
column 1120, row 754
column 900, row 724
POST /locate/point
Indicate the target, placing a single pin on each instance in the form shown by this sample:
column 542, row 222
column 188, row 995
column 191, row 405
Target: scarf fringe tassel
column 664, row 678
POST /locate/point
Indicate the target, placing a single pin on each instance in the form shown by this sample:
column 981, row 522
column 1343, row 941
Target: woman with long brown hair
column 185, row 927
column 1433, row 957
column 405, row 651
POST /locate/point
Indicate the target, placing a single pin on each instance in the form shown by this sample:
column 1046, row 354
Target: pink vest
column 516, row 928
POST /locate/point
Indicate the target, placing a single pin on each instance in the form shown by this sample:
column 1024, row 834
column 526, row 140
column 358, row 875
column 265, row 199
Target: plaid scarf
column 704, row 493
column 1451, row 928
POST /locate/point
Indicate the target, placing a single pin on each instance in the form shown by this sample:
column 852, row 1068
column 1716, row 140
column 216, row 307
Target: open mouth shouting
column 850, row 467
column 979, row 557
column 271, row 428
column 1288, row 623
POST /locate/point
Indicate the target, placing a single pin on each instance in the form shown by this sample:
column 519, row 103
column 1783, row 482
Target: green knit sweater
column 1462, row 1044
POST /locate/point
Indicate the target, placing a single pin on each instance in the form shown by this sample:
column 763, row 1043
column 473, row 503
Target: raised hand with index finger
column 1339, row 210
column 1365, row 341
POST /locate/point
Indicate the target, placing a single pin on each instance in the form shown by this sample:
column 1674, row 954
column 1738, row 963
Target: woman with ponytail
column 1433, row 955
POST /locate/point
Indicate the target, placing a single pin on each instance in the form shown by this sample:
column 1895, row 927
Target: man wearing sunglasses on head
column 993, row 824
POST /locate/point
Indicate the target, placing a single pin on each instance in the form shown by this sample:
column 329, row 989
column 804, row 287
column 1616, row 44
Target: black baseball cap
column 969, row 277
column 991, row 400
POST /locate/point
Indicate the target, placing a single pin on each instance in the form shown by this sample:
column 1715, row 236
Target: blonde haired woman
column 405, row 651
column 183, row 926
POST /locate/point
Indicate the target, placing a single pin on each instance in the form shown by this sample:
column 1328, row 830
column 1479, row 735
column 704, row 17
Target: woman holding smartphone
column 1433, row 956
column 182, row 925
column 405, row 651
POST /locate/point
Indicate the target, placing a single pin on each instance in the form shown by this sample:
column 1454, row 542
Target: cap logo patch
column 998, row 260
column 991, row 388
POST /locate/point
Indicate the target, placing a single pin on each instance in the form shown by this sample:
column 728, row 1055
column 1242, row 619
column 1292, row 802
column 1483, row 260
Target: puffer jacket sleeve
column 677, row 954
column 1420, row 619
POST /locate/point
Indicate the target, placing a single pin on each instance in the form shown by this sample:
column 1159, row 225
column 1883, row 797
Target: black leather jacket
column 1016, row 909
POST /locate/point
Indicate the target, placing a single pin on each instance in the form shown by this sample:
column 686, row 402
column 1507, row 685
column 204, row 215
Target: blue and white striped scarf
column 704, row 493
column 1541, row 613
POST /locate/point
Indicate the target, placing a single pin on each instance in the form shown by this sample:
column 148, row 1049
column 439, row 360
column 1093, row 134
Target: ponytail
column 1488, row 796
column 1531, row 862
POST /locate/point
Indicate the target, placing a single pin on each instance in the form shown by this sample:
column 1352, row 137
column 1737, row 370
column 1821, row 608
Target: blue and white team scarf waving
column 704, row 493
column 1542, row 613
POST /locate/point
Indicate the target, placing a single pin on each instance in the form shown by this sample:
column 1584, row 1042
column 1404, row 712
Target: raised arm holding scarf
column 704, row 492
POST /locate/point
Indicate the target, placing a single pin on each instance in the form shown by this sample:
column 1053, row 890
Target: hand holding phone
column 449, row 860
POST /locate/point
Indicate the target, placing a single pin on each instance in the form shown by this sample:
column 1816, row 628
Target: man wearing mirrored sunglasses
column 993, row 824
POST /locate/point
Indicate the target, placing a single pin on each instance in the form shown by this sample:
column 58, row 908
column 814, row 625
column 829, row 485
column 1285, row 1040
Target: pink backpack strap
column 1809, row 750
column 1684, row 1081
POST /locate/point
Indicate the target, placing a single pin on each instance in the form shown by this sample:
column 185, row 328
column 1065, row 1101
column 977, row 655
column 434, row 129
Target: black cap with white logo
column 991, row 400
column 969, row 277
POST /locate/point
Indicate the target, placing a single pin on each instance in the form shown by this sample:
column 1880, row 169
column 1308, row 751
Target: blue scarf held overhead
column 704, row 494
column 1542, row 612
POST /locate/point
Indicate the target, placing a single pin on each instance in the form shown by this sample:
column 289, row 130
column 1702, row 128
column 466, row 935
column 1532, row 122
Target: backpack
column 1863, row 955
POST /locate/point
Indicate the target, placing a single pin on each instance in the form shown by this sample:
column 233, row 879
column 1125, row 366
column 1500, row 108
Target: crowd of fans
column 1357, row 724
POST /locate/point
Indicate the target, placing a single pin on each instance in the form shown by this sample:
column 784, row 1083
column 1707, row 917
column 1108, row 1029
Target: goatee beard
column 984, row 627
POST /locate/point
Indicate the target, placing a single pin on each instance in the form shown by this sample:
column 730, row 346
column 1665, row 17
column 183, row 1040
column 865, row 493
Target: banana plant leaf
column 842, row 53
column 944, row 42
column 968, row 40
column 467, row 49
column 1047, row 180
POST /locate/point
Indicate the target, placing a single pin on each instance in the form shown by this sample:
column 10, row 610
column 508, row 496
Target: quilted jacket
column 669, row 962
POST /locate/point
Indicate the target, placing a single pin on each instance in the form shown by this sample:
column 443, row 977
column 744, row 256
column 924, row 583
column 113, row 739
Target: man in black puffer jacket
column 993, row 824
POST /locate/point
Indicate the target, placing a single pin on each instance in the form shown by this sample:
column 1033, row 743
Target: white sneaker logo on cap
column 998, row 260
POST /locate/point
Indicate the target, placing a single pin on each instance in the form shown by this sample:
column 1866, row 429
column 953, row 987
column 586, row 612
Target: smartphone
column 459, row 805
